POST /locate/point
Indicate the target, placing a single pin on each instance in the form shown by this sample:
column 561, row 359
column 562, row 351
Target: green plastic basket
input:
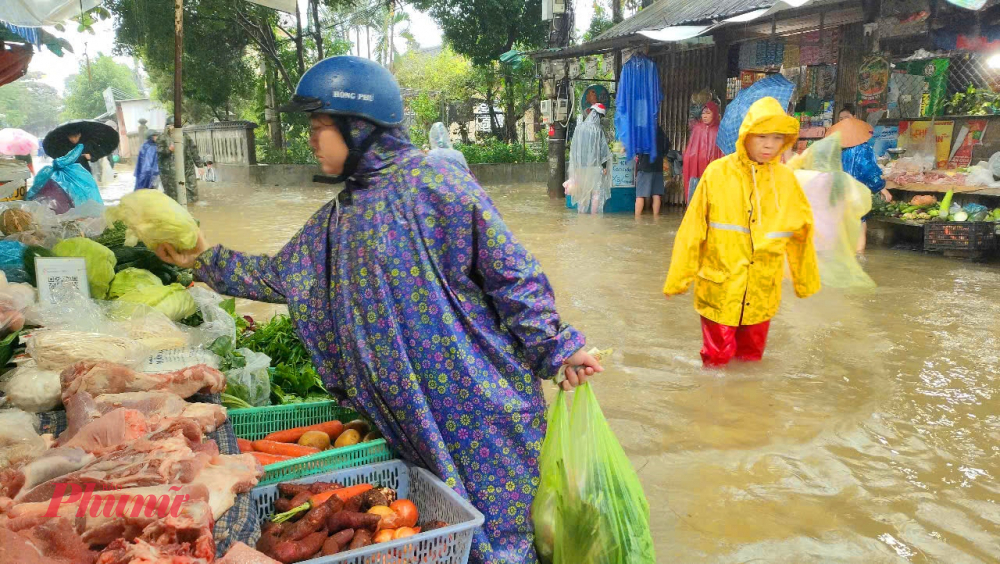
column 256, row 422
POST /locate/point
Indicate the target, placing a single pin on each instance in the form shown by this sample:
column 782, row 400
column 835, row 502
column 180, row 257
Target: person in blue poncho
column 147, row 166
column 417, row 304
column 858, row 160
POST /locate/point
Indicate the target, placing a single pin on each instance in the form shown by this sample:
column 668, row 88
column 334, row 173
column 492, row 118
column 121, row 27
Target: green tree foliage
column 30, row 105
column 482, row 30
column 216, row 70
column 84, row 91
column 600, row 23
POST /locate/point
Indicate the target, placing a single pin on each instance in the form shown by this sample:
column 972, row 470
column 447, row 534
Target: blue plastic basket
column 434, row 499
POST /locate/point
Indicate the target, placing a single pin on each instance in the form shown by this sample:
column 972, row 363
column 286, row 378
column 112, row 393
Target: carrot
column 266, row 459
column 332, row 428
column 244, row 445
column 284, row 449
column 343, row 493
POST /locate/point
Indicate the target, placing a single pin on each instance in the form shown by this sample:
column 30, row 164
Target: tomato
column 407, row 512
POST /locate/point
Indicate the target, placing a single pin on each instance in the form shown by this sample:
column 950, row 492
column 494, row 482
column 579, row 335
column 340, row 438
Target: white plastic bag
column 217, row 322
column 19, row 438
column 32, row 389
column 981, row 175
column 252, row 383
column 57, row 349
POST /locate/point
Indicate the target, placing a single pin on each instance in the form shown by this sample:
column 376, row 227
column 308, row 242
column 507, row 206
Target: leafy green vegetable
column 144, row 258
column 155, row 218
column 100, row 262
column 129, row 279
column 301, row 382
column 29, row 261
column 174, row 301
column 113, row 236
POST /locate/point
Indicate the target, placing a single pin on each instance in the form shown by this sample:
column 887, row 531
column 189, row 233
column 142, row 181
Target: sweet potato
column 269, row 538
column 352, row 520
column 299, row 499
column 338, row 542
column 335, row 505
column 312, row 522
column 362, row 539
column 288, row 551
column 290, row 490
column 344, row 537
column 282, row 504
column 320, row 487
column 434, row 525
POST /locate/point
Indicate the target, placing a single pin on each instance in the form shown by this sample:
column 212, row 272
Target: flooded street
column 869, row 433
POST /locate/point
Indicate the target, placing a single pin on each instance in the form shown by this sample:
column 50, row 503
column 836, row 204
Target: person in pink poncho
column 701, row 148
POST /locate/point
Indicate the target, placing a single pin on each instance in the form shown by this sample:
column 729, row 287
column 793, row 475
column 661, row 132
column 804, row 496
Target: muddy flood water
column 869, row 433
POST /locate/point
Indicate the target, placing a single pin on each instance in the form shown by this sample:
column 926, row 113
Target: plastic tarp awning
column 36, row 13
column 14, row 62
column 685, row 32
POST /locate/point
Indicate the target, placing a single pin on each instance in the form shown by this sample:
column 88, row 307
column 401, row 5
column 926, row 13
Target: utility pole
column 178, row 135
column 559, row 35
column 616, row 18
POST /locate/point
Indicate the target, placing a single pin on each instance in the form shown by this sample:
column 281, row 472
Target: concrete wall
column 300, row 175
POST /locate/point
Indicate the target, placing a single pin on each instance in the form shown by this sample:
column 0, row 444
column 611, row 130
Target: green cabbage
column 174, row 301
column 129, row 279
column 155, row 218
column 100, row 262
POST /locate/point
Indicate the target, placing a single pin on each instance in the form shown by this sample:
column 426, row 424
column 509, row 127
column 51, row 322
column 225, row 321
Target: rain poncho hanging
column 838, row 203
column 589, row 179
column 701, row 148
column 775, row 86
column 637, row 107
column 441, row 146
column 421, row 309
column 744, row 220
column 75, row 181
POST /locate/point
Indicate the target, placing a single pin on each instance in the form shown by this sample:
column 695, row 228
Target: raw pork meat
column 109, row 378
column 52, row 542
column 117, row 427
column 173, row 456
column 54, row 463
column 109, row 524
column 240, row 553
column 227, row 476
column 160, row 409
column 142, row 552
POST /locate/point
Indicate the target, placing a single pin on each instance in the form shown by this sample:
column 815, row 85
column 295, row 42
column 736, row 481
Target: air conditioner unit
column 546, row 107
column 562, row 109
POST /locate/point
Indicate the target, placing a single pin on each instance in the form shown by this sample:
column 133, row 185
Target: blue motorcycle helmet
column 345, row 87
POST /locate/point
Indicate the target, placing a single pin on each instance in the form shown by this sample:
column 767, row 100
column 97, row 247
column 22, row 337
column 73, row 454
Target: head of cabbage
column 174, row 301
column 100, row 262
column 129, row 279
column 155, row 218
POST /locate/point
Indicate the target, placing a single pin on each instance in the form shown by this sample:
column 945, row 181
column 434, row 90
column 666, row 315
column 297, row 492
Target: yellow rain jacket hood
column 744, row 219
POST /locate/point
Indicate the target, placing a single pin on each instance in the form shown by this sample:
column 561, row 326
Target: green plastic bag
column 590, row 506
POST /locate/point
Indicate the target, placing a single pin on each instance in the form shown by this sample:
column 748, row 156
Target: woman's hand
column 886, row 195
column 87, row 156
column 578, row 368
column 183, row 259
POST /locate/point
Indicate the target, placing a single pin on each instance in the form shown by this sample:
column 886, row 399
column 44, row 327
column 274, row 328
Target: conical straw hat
column 853, row 132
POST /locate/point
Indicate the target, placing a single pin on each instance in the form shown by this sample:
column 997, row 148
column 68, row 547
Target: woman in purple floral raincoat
column 417, row 303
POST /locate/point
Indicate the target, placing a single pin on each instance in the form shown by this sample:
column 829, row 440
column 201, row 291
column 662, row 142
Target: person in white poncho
column 441, row 145
column 589, row 179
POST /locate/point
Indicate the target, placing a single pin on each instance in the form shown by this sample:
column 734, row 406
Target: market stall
column 116, row 444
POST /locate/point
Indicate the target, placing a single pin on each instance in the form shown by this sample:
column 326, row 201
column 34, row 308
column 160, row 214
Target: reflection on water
column 869, row 433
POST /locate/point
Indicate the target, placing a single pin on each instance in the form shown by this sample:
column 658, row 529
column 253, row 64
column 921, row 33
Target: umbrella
column 99, row 140
column 17, row 142
column 775, row 86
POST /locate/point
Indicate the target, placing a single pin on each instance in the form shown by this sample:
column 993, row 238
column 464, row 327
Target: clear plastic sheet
column 19, row 438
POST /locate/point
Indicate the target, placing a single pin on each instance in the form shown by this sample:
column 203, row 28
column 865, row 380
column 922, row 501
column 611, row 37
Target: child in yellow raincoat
column 747, row 215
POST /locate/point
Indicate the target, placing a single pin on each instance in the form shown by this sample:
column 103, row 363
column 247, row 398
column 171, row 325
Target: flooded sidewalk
column 869, row 433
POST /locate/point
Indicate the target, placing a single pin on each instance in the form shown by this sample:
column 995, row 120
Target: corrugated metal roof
column 677, row 12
